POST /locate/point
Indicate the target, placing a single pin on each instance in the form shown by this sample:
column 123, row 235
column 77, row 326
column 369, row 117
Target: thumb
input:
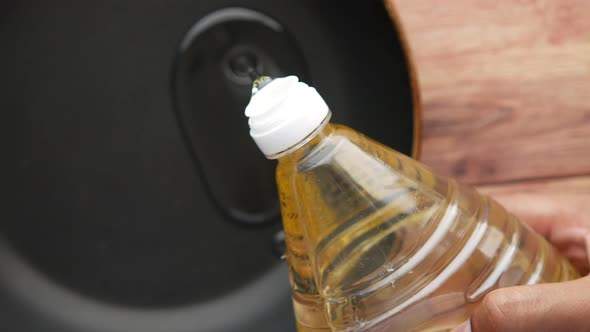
column 545, row 307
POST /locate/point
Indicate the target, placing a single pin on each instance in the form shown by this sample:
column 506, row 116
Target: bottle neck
column 304, row 146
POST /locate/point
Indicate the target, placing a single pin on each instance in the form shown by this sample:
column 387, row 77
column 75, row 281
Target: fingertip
column 568, row 236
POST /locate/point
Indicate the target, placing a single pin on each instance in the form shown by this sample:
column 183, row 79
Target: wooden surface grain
column 505, row 91
column 505, row 86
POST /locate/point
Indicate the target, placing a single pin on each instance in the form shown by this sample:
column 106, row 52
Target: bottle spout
column 260, row 82
column 283, row 112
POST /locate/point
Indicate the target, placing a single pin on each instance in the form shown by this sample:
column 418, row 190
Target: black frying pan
column 133, row 198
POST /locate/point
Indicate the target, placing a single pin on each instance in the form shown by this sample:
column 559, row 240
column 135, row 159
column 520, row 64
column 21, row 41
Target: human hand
column 545, row 307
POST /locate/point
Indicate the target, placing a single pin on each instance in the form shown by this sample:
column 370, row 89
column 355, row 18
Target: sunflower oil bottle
column 375, row 241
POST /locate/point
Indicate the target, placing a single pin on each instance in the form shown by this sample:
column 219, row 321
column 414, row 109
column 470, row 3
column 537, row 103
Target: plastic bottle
column 375, row 241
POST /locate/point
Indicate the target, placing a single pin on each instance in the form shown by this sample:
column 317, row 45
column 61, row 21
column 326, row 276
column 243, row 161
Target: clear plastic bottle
column 375, row 241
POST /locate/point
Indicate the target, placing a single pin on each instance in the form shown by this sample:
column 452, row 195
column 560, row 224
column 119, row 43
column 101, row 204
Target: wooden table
column 506, row 98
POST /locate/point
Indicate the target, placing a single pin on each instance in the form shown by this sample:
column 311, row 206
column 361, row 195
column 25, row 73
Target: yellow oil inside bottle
column 376, row 242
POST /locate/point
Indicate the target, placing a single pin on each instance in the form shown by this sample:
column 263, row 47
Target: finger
column 545, row 307
column 544, row 214
column 578, row 257
column 574, row 244
column 569, row 236
column 534, row 211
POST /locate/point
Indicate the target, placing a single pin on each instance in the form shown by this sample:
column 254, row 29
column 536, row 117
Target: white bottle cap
column 283, row 113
